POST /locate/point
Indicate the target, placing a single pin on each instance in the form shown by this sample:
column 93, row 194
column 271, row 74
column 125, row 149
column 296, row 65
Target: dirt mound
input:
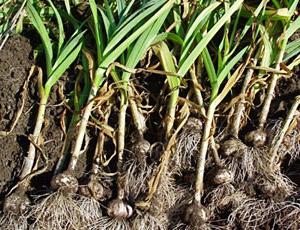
column 15, row 62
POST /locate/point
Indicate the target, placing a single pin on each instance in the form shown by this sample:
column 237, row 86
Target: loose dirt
column 16, row 60
column 15, row 63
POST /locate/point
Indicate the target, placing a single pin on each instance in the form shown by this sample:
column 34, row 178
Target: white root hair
column 11, row 221
column 137, row 175
column 146, row 221
column 186, row 150
column 90, row 210
column 290, row 144
column 57, row 211
column 246, row 165
column 219, row 197
column 110, row 224
column 288, row 215
column 276, row 185
column 254, row 213
column 167, row 195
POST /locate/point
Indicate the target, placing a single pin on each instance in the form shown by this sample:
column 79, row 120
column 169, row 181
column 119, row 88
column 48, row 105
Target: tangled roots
column 167, row 195
column 12, row 221
column 187, row 143
column 183, row 226
column 137, row 176
column 288, row 215
column 224, row 197
column 276, row 186
column 290, row 146
column 90, row 210
column 110, row 224
column 246, row 165
column 146, row 221
column 57, row 211
column 253, row 214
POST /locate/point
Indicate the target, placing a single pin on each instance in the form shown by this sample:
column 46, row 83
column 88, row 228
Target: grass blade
column 142, row 45
column 125, row 44
column 74, row 41
column 129, row 27
column 185, row 66
column 228, row 67
column 168, row 36
column 39, row 25
column 61, row 33
column 61, row 68
column 98, row 37
column 292, row 49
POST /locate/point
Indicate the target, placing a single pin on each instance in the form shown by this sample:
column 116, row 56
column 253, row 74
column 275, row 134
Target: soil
column 15, row 62
column 16, row 59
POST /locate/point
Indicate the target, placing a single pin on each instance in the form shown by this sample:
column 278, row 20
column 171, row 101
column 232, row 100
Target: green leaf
column 292, row 49
column 68, row 6
column 293, row 27
column 142, row 44
column 168, row 36
column 62, row 67
column 209, row 66
column 267, row 47
column 187, row 63
column 108, row 25
column 75, row 23
column 130, row 26
column 228, row 67
column 125, row 44
column 168, row 64
column 248, row 25
column 128, row 18
column 39, row 26
column 121, row 4
column 61, row 36
column 195, row 28
column 124, row 12
column 293, row 8
column 109, row 12
column 97, row 29
column 67, row 49
column 199, row 20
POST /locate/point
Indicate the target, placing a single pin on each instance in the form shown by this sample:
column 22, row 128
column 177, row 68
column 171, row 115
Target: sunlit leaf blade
column 292, row 49
column 168, row 64
column 294, row 26
column 136, row 33
column 130, row 26
column 187, row 63
column 61, row 68
column 98, row 37
column 229, row 66
column 124, row 13
column 39, row 25
column 61, row 33
column 142, row 44
column 198, row 21
column 67, row 49
column 195, row 28
column 168, row 36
